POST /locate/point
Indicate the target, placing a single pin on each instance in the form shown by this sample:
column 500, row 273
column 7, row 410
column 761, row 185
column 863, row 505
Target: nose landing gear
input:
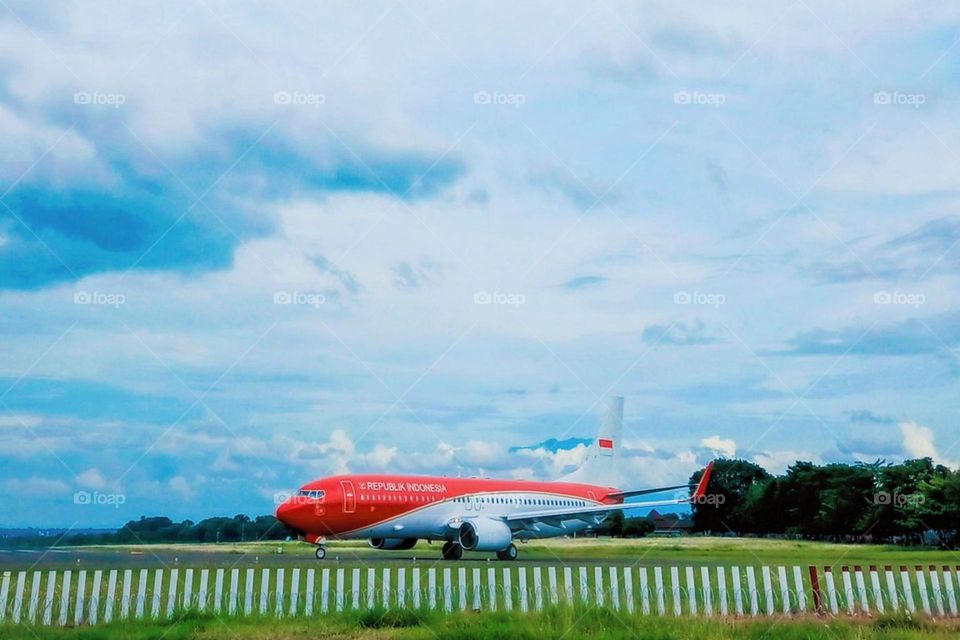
column 321, row 552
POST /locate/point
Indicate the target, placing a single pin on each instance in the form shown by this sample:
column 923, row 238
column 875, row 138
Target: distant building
column 669, row 523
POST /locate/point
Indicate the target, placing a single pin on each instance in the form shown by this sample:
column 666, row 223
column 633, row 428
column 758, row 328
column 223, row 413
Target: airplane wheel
column 510, row 553
column 321, row 553
column 451, row 551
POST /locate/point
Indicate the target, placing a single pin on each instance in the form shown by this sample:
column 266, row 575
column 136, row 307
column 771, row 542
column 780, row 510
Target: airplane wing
column 597, row 513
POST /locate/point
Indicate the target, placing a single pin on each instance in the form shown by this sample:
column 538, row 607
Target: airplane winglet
column 701, row 489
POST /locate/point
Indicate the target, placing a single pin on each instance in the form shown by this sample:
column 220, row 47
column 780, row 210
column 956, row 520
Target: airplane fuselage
column 387, row 506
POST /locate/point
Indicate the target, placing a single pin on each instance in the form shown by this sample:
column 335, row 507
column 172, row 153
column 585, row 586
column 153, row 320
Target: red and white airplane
column 470, row 514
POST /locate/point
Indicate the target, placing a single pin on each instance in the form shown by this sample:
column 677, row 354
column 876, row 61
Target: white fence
column 95, row 596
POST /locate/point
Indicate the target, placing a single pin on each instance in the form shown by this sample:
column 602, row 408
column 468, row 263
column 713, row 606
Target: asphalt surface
column 152, row 557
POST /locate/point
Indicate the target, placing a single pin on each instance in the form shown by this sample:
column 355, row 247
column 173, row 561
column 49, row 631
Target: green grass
column 693, row 550
column 560, row 622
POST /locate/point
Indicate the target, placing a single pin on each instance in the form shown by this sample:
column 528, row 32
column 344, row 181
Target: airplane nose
column 294, row 513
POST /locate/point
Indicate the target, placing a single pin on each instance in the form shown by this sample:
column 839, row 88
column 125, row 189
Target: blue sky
column 244, row 246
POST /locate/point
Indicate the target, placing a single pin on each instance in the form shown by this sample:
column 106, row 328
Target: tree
column 729, row 483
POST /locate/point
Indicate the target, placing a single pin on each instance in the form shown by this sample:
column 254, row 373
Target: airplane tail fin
column 602, row 463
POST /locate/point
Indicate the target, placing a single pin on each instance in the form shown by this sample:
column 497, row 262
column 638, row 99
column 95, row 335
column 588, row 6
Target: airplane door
column 349, row 497
column 591, row 495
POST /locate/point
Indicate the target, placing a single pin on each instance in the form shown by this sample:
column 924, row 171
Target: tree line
column 878, row 501
column 239, row 528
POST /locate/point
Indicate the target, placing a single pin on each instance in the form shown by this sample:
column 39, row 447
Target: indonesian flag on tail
column 605, row 445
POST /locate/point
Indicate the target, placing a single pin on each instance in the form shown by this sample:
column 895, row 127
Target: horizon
column 408, row 238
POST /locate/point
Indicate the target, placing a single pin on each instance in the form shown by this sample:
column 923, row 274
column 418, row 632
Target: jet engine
column 393, row 544
column 484, row 534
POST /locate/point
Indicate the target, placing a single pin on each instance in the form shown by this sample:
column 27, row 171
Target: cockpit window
column 312, row 494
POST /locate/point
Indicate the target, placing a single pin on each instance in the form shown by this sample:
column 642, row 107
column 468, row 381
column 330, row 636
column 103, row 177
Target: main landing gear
column 510, row 553
column 321, row 553
column 451, row 551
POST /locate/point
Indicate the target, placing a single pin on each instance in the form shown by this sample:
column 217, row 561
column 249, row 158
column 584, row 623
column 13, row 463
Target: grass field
column 698, row 551
column 366, row 570
column 557, row 623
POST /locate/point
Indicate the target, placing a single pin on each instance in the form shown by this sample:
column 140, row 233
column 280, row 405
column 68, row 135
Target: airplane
column 393, row 512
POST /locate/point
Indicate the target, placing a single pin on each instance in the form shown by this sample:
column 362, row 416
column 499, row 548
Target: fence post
column 552, row 579
column 339, row 596
column 522, row 588
column 202, row 592
column 584, row 588
column 371, row 586
column 537, row 589
column 432, row 588
column 861, row 588
column 125, row 594
column 922, row 588
column 81, row 591
column 385, row 587
column 447, row 590
column 48, row 598
column 233, row 595
column 948, row 588
column 218, row 591
column 4, row 592
column 737, row 590
column 309, row 592
column 187, row 589
column 722, row 590
column 675, row 591
column 64, row 597
column 847, row 588
column 157, row 594
column 94, row 613
column 278, row 589
column 598, row 585
column 401, row 587
column 935, row 588
column 492, row 588
column 784, row 589
column 507, row 591
column 34, row 597
column 707, row 591
column 568, row 584
column 767, row 589
column 355, row 588
column 875, row 587
column 831, row 589
column 752, row 586
column 172, row 592
column 628, row 588
column 907, row 589
column 644, row 592
column 264, row 590
column 18, row 596
column 415, row 588
column 476, row 589
column 658, row 585
column 691, row 591
column 324, row 590
column 891, row 588
column 111, row 596
column 801, row 593
column 295, row 591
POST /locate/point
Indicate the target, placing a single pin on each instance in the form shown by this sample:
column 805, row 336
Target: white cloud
column 776, row 462
column 35, row 486
column 182, row 488
column 918, row 442
column 91, row 479
column 723, row 447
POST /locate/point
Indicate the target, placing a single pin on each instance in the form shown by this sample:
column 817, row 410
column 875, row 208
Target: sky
column 246, row 245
